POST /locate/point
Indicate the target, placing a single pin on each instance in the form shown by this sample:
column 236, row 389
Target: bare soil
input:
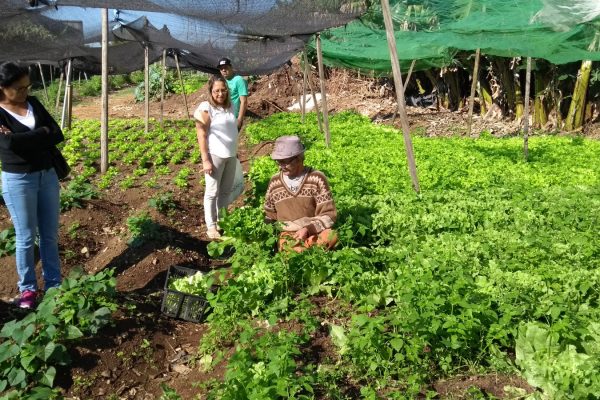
column 118, row 363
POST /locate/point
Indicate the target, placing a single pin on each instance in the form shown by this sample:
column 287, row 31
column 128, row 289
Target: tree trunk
column 485, row 96
column 519, row 105
column 574, row 118
column 540, row 105
column 435, row 82
column 454, row 93
column 507, row 84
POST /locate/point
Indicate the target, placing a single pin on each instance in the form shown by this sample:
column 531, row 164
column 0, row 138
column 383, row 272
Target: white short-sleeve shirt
column 223, row 132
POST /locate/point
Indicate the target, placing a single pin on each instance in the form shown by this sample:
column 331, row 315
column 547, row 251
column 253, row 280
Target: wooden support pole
column 312, row 91
column 526, row 111
column 391, row 39
column 410, row 70
column 69, row 105
column 60, row 81
column 473, row 89
column 303, row 102
column 163, row 72
column 323, row 91
column 187, row 110
column 43, row 83
column 146, row 90
column 64, row 116
column 104, row 109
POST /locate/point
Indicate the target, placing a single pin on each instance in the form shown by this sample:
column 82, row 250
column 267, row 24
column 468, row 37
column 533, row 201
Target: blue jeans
column 33, row 201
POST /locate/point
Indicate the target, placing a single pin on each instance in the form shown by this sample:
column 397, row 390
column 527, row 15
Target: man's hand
column 240, row 122
column 301, row 234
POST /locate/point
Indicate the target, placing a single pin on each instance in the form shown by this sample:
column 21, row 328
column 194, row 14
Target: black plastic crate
column 177, row 304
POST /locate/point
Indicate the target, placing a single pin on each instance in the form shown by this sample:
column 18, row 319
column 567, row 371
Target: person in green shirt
column 238, row 89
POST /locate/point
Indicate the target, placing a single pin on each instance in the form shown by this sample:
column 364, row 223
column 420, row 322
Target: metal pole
column 187, row 110
column 104, row 108
column 526, row 111
column 391, row 39
column 473, row 88
column 323, row 92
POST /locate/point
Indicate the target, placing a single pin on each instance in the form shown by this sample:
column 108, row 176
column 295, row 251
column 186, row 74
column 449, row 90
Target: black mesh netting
column 258, row 35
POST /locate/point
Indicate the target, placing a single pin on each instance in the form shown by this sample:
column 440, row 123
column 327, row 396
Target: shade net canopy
column 257, row 35
column 432, row 32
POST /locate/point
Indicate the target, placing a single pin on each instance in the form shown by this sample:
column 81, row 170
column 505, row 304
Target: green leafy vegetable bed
column 495, row 256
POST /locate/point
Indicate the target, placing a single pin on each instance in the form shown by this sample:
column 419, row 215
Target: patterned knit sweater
column 311, row 206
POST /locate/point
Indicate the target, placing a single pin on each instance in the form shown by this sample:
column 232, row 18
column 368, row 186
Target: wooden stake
column 60, row 81
column 410, row 70
column 69, row 105
column 187, row 110
column 391, row 39
column 526, row 111
column 312, row 91
column 162, row 85
column 303, row 102
column 146, row 90
column 323, row 91
column 64, row 117
column 473, row 89
column 104, row 109
column 44, row 83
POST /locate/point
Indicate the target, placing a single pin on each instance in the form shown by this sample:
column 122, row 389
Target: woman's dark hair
column 10, row 72
column 211, row 82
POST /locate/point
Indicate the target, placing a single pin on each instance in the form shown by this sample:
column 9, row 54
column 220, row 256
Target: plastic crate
column 177, row 304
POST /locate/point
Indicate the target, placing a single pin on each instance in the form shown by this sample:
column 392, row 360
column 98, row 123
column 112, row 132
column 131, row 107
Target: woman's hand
column 4, row 130
column 207, row 167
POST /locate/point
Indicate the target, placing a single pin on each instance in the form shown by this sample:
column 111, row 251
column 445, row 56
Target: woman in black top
column 30, row 186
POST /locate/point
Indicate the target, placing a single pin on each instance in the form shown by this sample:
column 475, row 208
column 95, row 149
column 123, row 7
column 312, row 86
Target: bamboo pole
column 391, row 39
column 60, row 81
column 162, row 85
column 473, row 89
column 526, row 111
column 187, row 110
column 323, row 91
column 312, row 91
column 146, row 90
column 104, row 109
column 44, row 83
column 66, row 97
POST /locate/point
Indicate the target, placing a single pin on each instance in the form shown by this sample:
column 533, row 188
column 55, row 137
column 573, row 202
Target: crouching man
column 300, row 198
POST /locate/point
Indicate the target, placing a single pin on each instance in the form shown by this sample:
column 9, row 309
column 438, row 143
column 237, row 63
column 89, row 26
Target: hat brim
column 279, row 156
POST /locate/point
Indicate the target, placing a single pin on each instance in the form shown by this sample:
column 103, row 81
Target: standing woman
column 29, row 183
column 216, row 128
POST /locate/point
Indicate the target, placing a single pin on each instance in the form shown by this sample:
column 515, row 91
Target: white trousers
column 219, row 184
